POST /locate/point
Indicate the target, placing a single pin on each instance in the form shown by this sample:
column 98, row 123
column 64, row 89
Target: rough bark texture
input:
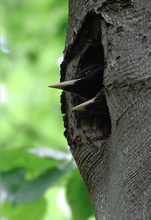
column 116, row 168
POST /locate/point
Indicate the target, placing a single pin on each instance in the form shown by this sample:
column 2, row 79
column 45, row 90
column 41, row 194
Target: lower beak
column 83, row 106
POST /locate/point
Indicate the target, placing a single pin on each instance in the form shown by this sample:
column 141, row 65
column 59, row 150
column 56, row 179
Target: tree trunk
column 116, row 165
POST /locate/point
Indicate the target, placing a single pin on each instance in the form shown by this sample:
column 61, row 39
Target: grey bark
column 117, row 169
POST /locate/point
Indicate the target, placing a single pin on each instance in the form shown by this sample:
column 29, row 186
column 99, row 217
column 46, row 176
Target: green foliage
column 30, row 211
column 78, row 198
column 21, row 157
column 19, row 190
column 34, row 158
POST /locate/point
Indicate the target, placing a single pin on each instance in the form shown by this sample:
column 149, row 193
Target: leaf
column 78, row 197
column 10, row 182
column 23, row 158
column 31, row 211
column 18, row 190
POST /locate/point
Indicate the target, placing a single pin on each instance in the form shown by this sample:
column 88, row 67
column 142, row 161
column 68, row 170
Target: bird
column 97, row 109
column 87, row 83
column 97, row 104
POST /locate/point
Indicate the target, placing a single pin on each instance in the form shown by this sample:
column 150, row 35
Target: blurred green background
column 39, row 180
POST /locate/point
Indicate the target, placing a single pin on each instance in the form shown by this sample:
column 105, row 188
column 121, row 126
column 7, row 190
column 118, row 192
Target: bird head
column 97, row 104
column 86, row 84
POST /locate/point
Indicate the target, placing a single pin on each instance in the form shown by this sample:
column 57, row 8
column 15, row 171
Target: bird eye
column 87, row 72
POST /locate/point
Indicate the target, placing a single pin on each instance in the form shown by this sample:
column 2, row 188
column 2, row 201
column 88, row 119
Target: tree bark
column 116, row 165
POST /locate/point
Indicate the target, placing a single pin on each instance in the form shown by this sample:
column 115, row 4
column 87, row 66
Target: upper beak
column 83, row 106
column 64, row 84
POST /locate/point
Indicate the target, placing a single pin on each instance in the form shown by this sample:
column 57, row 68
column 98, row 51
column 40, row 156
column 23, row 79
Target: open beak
column 62, row 85
column 83, row 106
